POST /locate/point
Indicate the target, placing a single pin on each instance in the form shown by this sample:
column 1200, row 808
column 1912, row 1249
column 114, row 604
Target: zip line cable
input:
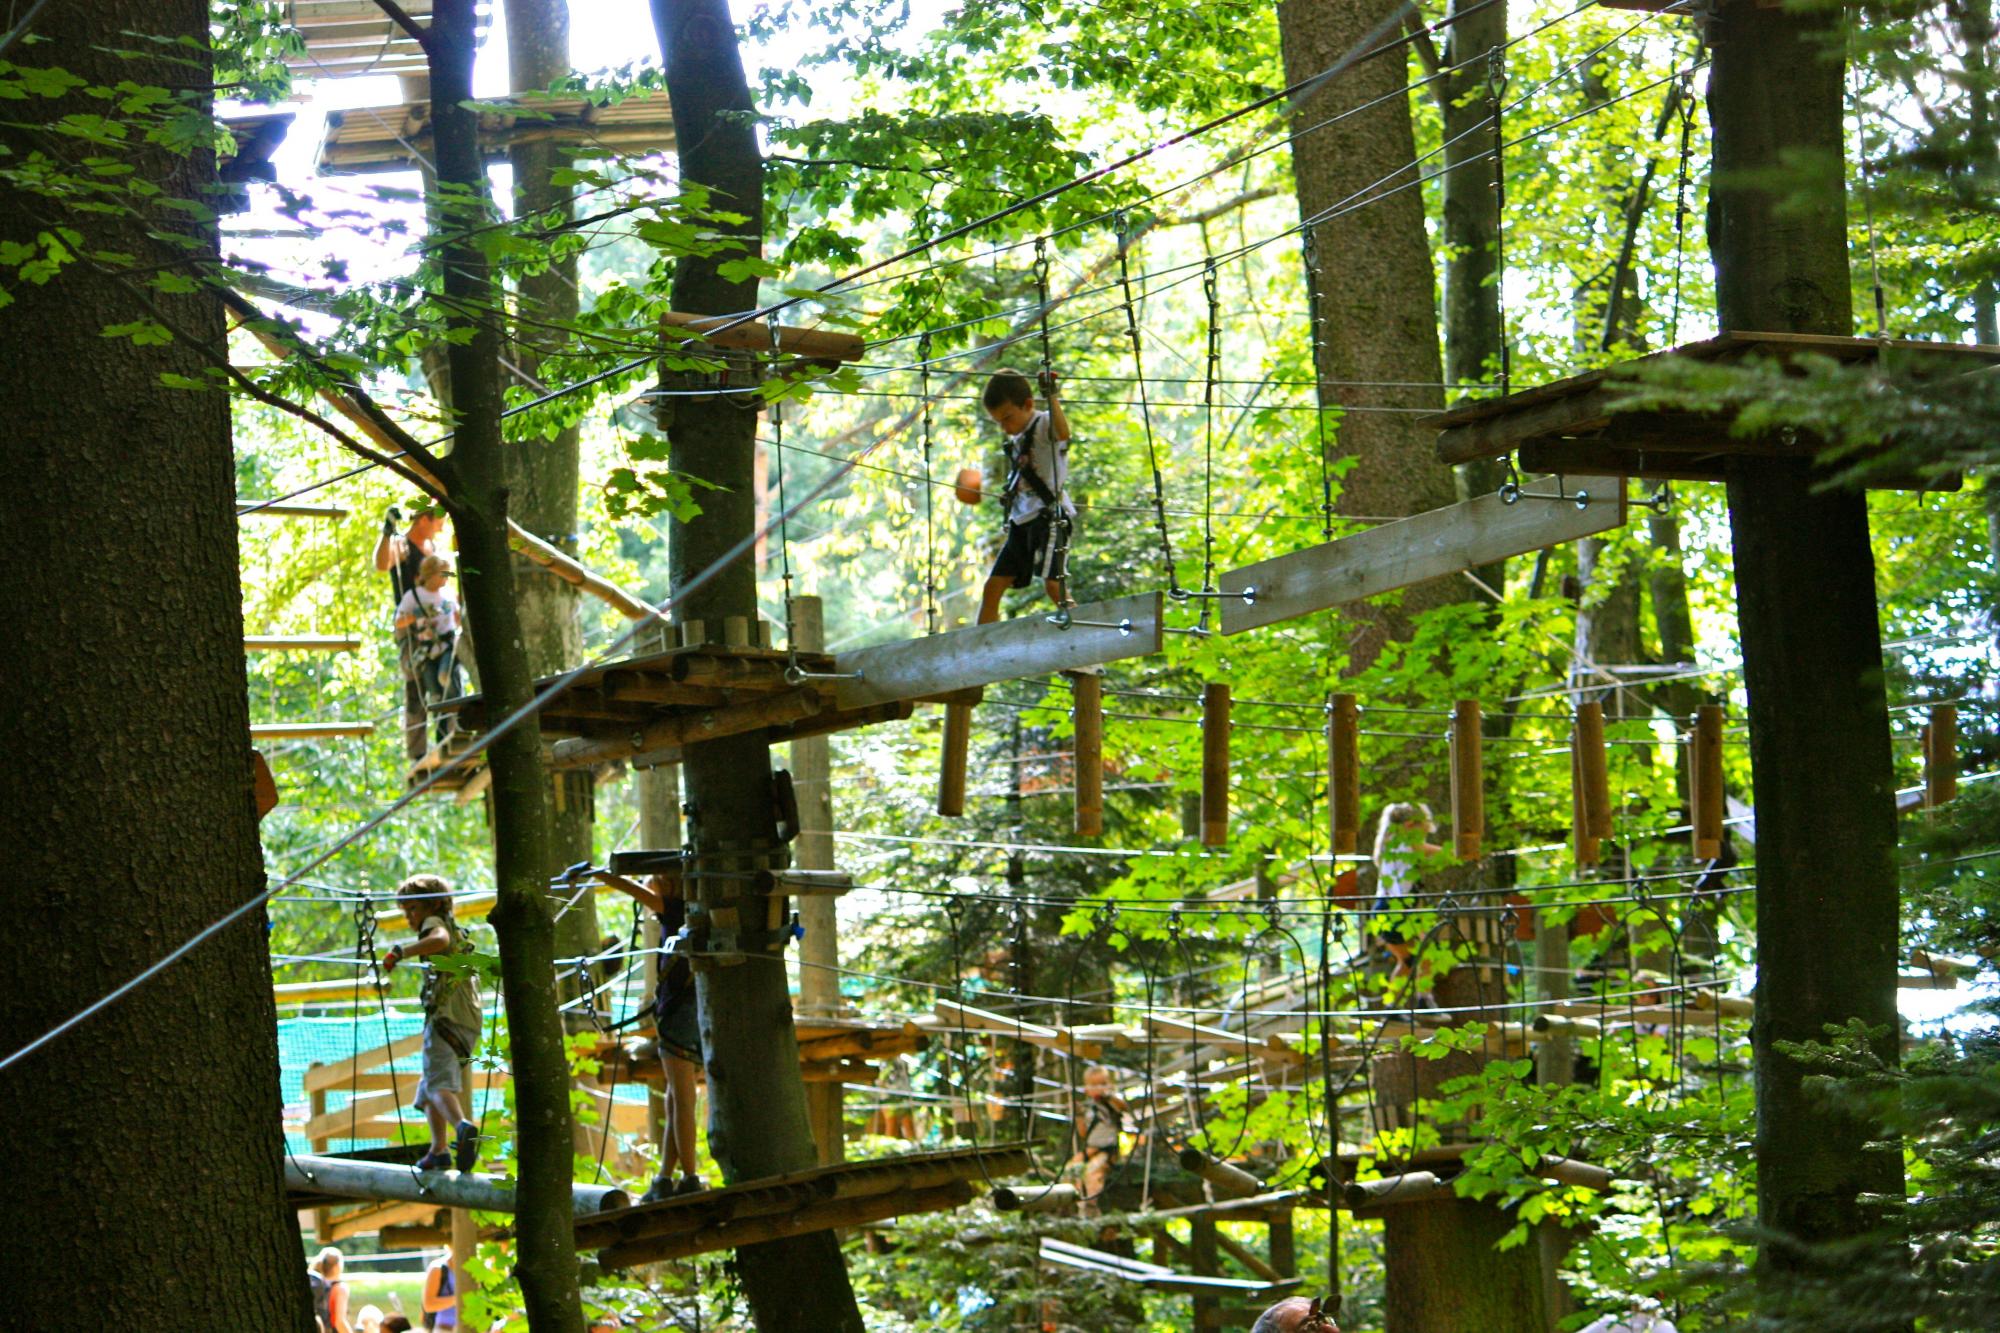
column 506, row 726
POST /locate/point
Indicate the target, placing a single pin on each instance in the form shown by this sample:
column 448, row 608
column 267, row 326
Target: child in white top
column 429, row 613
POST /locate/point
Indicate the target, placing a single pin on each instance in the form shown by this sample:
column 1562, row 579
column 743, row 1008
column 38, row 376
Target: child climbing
column 451, row 1021
column 428, row 615
column 1036, row 498
column 400, row 555
column 1098, row 1127
column 678, row 1035
column 1401, row 842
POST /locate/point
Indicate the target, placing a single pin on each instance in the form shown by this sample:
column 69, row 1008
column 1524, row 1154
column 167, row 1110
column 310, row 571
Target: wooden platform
column 348, row 38
column 1575, row 425
column 391, row 138
column 845, row 1194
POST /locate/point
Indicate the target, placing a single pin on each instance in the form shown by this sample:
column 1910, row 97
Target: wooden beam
column 310, row 731
column 301, row 643
column 1415, row 550
column 755, row 336
column 1227, row 1181
column 1214, row 764
column 1408, row 1187
column 286, row 509
column 348, row 1178
column 1099, row 632
column 1155, row 1276
column 690, row 728
column 324, row 992
column 823, row 1215
column 361, row 1221
column 1054, row 1198
column 333, row 1076
column 576, row 575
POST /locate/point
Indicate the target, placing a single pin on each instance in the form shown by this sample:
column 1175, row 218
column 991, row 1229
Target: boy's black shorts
column 1030, row 553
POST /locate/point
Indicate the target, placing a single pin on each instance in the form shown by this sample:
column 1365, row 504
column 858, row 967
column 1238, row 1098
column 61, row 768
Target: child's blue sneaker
column 465, row 1148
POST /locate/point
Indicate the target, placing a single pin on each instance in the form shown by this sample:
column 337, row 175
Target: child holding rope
column 1099, row 1126
column 451, row 1021
column 677, row 1033
column 1037, row 500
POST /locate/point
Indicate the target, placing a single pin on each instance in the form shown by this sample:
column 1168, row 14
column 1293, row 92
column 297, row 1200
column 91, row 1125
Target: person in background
column 441, row 1293
column 1098, row 1127
column 1295, row 1314
column 369, row 1320
column 428, row 616
column 329, row 1291
column 677, row 1033
column 1402, row 840
column 400, row 555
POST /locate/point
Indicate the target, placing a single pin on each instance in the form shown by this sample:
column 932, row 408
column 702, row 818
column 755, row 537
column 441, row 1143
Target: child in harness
column 1036, row 500
column 427, row 620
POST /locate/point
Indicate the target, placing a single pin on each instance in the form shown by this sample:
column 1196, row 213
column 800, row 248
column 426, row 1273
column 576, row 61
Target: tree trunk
column 1805, row 576
column 1378, row 310
column 545, row 1257
column 542, row 472
column 1484, row 1288
column 1473, row 333
column 123, row 699
column 757, row 1107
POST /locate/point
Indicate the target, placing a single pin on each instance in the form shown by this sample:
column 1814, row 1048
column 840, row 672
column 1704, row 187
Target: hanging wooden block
column 1343, row 773
column 1214, row 765
column 951, row 762
column 1705, row 782
column 1468, row 788
column 1941, row 755
column 1087, row 692
column 1581, row 837
column 1592, row 769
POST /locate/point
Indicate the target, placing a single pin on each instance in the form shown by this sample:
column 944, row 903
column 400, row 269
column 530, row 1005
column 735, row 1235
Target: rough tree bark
column 542, row 473
column 545, row 1255
column 123, row 699
column 1378, row 307
column 1378, row 315
column 757, row 1122
column 1805, row 578
column 1471, row 223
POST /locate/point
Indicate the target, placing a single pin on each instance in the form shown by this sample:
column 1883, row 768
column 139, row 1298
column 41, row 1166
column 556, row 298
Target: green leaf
column 142, row 332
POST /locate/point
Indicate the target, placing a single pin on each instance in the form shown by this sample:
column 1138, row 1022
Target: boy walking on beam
column 1039, row 511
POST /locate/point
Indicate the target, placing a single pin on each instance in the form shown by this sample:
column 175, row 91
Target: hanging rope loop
column 930, row 517
column 1122, row 228
column 1045, row 377
column 1309, row 250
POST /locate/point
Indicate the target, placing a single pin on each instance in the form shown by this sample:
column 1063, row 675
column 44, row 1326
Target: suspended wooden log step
column 311, row 1180
column 1705, row 789
column 1940, row 739
column 301, row 643
column 1417, row 549
column 310, row 731
column 1215, row 765
column 1343, row 773
column 1156, row 1277
column 979, row 655
column 286, row 509
column 1087, row 716
column 1576, row 425
column 843, row 1194
column 1468, row 780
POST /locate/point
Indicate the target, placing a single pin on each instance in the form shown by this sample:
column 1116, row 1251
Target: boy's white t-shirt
column 1050, row 461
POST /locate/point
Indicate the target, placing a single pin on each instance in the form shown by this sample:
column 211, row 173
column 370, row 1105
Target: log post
column 819, row 951
column 1705, row 775
column 1283, row 1251
column 316, row 1110
column 1343, row 772
column 1087, row 690
column 952, row 759
column 1582, row 839
column 1595, row 769
column 1468, row 782
column 1203, row 1260
column 1940, row 756
column 1811, row 633
column 1214, row 765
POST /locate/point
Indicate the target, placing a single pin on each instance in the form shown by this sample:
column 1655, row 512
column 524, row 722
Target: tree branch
column 397, row 14
column 1427, row 51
